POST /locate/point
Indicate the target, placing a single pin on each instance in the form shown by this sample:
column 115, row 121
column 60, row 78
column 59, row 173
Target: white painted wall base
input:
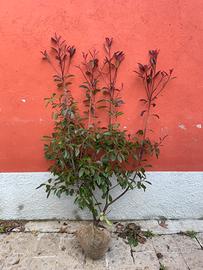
column 174, row 195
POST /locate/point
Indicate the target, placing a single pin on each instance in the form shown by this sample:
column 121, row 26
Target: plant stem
column 110, row 88
column 114, row 200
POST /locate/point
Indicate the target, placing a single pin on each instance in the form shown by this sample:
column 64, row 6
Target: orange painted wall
column 175, row 27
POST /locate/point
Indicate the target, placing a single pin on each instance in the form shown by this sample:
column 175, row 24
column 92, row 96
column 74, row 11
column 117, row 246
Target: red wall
column 175, row 27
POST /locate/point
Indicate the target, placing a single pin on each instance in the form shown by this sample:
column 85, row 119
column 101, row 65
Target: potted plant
column 91, row 156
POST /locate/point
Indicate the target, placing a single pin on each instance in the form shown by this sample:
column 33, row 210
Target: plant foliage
column 89, row 160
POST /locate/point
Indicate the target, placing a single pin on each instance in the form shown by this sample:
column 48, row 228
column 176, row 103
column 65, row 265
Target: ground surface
column 51, row 245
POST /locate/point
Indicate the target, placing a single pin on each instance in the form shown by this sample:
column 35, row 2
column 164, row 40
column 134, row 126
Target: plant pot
column 94, row 240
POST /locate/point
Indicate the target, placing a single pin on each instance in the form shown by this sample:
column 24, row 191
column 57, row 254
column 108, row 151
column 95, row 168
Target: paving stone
column 125, row 267
column 69, row 244
column 173, row 226
column 119, row 252
column 119, row 257
column 54, row 226
column 13, row 260
column 16, row 267
column 19, row 243
column 70, row 252
column 146, row 260
column 43, row 263
column 3, row 236
column 200, row 238
column 5, row 246
column 67, row 261
column 164, row 244
column 43, row 226
column 173, row 261
column 47, row 244
column 61, row 251
column 146, row 247
column 100, row 264
column 186, row 244
column 2, row 261
column 194, row 259
column 48, row 263
column 16, row 261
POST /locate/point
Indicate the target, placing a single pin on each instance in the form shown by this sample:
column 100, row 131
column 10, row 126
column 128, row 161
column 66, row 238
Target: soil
column 12, row 225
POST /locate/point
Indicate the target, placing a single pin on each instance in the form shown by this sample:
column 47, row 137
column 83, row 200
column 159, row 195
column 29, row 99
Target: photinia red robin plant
column 154, row 82
column 90, row 159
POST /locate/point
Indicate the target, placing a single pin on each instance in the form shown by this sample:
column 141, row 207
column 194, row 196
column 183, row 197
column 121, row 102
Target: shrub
column 90, row 159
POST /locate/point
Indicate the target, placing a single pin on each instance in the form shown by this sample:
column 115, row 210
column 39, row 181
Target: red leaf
column 143, row 100
column 142, row 113
column 53, row 40
column 156, row 115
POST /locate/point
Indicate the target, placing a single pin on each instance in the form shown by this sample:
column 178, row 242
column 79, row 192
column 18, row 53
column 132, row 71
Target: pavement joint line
column 180, row 252
column 43, row 257
column 156, row 253
column 73, row 233
column 199, row 243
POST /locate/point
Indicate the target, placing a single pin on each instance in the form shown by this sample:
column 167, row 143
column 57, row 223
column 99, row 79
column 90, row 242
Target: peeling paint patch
column 182, row 126
column 199, row 125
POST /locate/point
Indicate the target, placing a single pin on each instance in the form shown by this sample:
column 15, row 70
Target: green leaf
column 81, row 172
column 77, row 152
column 135, row 156
column 142, row 170
column 140, row 132
column 55, row 115
column 132, row 241
column 112, row 156
column 2, row 229
column 101, row 217
column 66, row 154
column 108, row 133
column 118, row 114
column 98, row 180
column 110, row 198
column 108, row 222
column 84, row 86
column 143, row 186
column 191, row 234
column 149, row 234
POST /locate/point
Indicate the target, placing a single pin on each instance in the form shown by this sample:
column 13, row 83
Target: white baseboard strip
column 173, row 195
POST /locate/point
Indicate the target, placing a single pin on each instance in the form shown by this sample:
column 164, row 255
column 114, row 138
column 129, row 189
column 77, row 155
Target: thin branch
column 162, row 88
column 114, row 200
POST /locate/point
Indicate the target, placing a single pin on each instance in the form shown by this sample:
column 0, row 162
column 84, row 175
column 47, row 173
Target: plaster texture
column 174, row 27
column 172, row 195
